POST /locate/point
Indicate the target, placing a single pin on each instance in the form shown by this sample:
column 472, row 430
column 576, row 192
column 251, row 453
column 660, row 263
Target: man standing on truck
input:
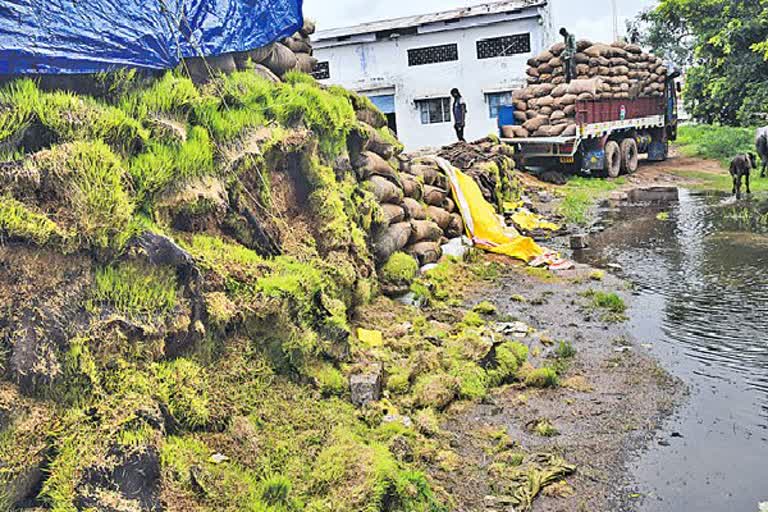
column 569, row 54
column 459, row 114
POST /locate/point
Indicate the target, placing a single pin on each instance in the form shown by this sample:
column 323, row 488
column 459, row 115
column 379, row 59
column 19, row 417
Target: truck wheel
column 612, row 159
column 629, row 156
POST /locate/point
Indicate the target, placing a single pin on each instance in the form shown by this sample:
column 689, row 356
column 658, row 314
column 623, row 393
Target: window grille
column 504, row 46
column 433, row 54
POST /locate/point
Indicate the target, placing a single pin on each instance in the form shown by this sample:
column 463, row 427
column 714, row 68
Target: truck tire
column 629, row 156
column 612, row 159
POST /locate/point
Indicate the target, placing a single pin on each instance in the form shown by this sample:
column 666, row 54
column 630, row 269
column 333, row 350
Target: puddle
column 700, row 267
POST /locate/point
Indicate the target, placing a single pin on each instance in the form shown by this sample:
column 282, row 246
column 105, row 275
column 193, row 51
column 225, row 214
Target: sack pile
column 547, row 107
column 272, row 61
column 489, row 163
column 419, row 215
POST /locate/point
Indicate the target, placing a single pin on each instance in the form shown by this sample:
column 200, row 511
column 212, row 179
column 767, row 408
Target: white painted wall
column 379, row 67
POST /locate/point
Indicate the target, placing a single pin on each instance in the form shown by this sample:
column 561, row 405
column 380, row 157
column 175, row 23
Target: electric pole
column 615, row 21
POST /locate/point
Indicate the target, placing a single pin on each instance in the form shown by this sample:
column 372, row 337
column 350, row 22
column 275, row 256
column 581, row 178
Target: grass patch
column 90, row 185
column 400, row 268
column 612, row 306
column 719, row 143
column 135, row 289
column 19, row 222
column 581, row 194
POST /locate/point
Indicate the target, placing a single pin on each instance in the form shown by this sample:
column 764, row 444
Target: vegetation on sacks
column 17, row 221
column 88, row 181
column 134, row 289
column 272, row 372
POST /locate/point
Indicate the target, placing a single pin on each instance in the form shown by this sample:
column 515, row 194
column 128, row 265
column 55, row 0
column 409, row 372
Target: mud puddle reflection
column 700, row 267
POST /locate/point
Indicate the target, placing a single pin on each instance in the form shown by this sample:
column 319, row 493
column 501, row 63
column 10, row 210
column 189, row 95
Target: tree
column 724, row 45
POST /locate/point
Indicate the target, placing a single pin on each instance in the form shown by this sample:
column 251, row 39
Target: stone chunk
column 366, row 386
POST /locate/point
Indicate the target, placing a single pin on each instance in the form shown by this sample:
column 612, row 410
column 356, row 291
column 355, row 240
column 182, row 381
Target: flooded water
column 700, row 267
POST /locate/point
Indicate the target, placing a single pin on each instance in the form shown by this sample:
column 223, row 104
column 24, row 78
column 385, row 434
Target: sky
column 589, row 19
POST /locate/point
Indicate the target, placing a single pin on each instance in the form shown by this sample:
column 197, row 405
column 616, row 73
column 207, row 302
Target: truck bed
column 597, row 119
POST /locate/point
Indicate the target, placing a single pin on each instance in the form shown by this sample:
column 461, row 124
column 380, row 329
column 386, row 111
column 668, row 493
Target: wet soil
column 622, row 396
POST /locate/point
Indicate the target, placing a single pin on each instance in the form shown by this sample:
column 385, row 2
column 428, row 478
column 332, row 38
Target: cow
column 762, row 148
column 742, row 166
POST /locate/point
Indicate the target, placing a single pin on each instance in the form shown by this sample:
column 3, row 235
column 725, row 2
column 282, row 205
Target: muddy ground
column 610, row 402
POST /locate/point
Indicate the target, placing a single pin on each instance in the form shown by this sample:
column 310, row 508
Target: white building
column 408, row 66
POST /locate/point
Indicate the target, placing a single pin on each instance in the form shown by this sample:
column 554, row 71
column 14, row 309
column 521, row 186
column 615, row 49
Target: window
column 433, row 54
column 496, row 100
column 435, row 111
column 504, row 46
column 322, row 71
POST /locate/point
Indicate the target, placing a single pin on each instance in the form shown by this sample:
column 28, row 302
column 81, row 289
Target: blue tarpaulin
column 89, row 36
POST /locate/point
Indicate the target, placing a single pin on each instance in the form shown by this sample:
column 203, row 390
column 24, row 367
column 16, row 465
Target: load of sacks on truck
column 547, row 106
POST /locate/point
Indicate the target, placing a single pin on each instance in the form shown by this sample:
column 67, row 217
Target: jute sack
column 305, row 63
column 393, row 213
column 456, row 227
column 425, row 252
column 384, row 190
column 434, row 196
column 391, row 240
column 298, row 44
column 441, row 217
column 281, row 59
column 370, row 164
column 581, row 86
column 429, row 175
column 412, row 188
column 425, row 230
column 256, row 56
column 415, row 209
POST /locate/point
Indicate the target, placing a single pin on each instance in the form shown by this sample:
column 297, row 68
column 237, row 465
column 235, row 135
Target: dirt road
column 610, row 401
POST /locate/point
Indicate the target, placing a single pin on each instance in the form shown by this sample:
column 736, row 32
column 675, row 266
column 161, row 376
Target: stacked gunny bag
column 272, row 61
column 547, row 107
column 418, row 214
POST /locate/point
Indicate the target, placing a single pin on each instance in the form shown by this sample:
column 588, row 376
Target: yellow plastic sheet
column 370, row 338
column 529, row 221
column 483, row 225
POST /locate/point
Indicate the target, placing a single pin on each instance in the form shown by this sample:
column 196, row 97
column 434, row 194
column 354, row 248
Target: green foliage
column 610, row 302
column 472, row 319
column 485, row 308
column 726, row 42
column 436, row 390
column 581, row 194
column 18, row 101
column 400, row 268
column 509, row 357
column 89, row 180
column 720, row 143
column 544, row 428
column 565, row 350
column 171, row 95
column 183, row 386
column 75, row 118
column 542, row 378
column 18, row 221
column 472, row 380
column 134, row 289
column 330, row 116
column 165, row 165
column 330, row 380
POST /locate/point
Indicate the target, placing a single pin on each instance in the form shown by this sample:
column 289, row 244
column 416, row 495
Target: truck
column 610, row 137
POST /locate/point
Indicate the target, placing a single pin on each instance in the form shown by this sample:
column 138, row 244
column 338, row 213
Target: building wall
column 381, row 67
